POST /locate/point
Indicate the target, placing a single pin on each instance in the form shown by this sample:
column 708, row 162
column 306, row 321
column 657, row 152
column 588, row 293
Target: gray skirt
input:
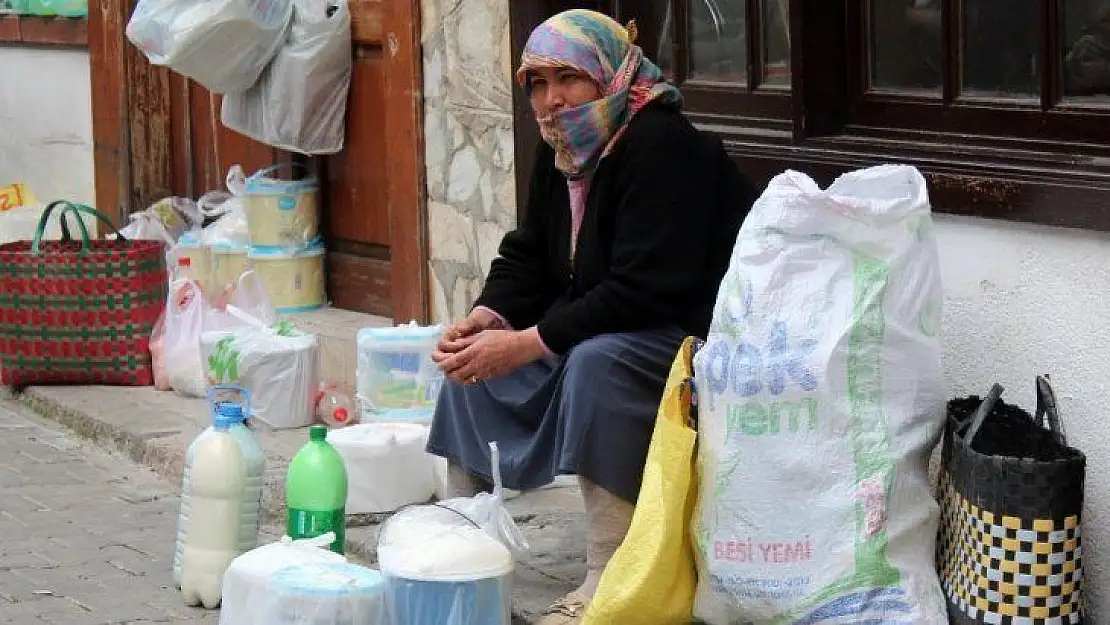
column 590, row 413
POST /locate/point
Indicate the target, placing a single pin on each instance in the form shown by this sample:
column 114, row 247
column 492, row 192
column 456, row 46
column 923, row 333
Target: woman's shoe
column 607, row 521
column 566, row 611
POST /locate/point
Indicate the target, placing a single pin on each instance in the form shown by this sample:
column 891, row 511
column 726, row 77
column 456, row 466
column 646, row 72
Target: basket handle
column 67, row 208
column 1047, row 406
column 982, row 412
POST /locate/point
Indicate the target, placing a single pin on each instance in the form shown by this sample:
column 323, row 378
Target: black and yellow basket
column 1009, row 548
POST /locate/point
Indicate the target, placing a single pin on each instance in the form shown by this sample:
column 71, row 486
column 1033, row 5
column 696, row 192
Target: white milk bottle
column 222, row 513
column 250, row 513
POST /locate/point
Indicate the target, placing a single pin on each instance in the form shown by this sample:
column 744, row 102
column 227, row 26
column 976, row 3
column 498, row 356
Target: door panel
column 356, row 177
column 157, row 133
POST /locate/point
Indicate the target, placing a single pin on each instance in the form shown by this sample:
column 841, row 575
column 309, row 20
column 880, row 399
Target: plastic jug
column 253, row 459
column 316, row 490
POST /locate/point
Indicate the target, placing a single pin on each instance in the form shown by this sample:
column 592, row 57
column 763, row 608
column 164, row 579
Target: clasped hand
column 471, row 351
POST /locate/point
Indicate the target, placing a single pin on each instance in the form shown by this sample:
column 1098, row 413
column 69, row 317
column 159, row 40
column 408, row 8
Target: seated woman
column 631, row 218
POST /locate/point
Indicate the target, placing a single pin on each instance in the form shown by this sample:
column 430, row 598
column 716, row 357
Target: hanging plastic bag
column 651, row 578
column 451, row 563
column 819, row 397
column 222, row 44
column 300, row 101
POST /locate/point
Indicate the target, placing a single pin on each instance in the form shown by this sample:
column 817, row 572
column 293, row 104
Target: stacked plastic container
column 285, row 245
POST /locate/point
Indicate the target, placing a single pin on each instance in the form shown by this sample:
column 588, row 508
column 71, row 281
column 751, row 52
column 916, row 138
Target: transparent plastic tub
column 396, row 377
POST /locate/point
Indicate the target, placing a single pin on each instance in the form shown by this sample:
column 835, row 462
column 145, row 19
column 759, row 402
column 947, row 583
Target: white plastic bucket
column 294, row 279
column 387, row 467
column 281, row 213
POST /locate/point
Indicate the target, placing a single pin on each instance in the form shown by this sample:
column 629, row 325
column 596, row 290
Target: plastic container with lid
column 281, row 213
column 228, row 263
column 396, row 378
column 324, row 594
column 450, row 563
column 444, row 570
column 254, row 457
column 294, row 278
column 221, row 497
column 246, row 583
column 387, row 466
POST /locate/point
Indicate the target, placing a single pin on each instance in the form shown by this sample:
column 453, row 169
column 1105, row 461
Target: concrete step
column 336, row 330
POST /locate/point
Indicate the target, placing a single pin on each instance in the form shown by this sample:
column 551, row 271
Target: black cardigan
column 660, row 224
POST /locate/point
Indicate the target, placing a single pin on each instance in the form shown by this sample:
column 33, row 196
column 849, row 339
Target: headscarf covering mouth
column 602, row 49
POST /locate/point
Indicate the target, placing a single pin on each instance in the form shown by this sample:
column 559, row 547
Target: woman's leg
column 464, row 484
column 611, row 387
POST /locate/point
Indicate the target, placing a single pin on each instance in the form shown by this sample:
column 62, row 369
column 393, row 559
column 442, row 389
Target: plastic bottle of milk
column 256, row 468
column 220, row 503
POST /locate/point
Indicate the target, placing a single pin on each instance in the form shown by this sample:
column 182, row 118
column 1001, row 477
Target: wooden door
column 157, row 134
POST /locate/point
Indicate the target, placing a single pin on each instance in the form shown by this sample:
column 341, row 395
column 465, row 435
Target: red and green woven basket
column 79, row 312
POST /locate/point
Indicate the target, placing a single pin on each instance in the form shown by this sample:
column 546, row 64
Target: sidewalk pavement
column 87, row 538
column 154, row 429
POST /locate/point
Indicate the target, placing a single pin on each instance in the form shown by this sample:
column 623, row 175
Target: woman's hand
column 490, row 354
column 478, row 320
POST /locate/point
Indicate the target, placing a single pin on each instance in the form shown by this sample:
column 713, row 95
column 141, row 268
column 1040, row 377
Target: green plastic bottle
column 316, row 490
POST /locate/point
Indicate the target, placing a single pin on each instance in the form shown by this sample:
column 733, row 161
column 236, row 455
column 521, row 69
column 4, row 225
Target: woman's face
column 556, row 88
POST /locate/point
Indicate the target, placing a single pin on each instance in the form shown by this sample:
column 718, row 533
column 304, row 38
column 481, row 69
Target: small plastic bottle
column 334, row 408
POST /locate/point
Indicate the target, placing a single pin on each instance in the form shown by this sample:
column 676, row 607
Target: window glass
column 906, row 44
column 1001, row 43
column 1087, row 48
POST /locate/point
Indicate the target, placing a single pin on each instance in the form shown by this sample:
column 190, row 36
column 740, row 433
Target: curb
column 165, row 460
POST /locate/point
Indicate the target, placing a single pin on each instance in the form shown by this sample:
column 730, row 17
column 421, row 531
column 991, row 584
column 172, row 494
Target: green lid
column 318, row 433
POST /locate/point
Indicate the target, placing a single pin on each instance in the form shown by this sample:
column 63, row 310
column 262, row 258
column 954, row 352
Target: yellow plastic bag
column 651, row 578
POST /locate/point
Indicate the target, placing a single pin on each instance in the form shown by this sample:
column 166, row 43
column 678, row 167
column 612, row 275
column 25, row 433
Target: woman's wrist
column 533, row 344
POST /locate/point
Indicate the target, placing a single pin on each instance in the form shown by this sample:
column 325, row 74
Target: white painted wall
column 46, row 122
column 1026, row 300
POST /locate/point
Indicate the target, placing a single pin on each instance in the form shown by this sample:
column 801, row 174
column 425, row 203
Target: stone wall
column 469, row 145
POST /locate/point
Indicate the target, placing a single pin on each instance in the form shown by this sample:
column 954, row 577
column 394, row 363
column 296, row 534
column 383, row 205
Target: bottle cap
column 233, row 411
column 318, row 433
column 223, row 421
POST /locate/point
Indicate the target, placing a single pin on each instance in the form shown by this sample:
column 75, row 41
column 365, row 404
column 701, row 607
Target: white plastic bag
column 230, row 228
column 451, row 563
column 820, row 395
column 182, row 324
column 246, row 581
column 300, row 102
column 222, row 44
column 277, row 363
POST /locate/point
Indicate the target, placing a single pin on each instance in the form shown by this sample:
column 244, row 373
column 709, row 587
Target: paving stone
column 87, row 535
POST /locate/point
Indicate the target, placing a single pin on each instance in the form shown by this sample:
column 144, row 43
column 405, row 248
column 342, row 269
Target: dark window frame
column 987, row 158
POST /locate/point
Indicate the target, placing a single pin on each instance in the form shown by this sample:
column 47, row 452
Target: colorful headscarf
column 598, row 46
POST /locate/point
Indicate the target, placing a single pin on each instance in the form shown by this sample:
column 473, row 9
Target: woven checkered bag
column 79, row 312
column 1009, row 548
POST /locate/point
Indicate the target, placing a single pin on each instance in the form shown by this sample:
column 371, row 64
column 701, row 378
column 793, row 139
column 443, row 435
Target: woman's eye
column 565, row 78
